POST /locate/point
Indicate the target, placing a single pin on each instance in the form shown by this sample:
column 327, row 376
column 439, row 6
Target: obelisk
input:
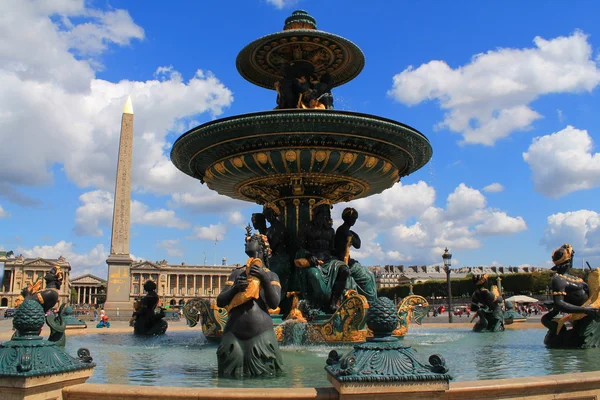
column 119, row 261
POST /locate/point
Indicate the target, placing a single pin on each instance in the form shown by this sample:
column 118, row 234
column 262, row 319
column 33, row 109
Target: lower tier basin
column 186, row 359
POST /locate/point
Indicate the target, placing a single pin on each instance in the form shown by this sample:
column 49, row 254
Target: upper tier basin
column 273, row 155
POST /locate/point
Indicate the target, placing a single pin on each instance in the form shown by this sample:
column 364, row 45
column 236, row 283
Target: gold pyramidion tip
column 128, row 107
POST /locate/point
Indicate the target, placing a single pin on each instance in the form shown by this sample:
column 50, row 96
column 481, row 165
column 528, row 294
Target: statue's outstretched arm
column 561, row 305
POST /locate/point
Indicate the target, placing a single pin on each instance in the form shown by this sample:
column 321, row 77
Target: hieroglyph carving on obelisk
column 122, row 208
column 119, row 261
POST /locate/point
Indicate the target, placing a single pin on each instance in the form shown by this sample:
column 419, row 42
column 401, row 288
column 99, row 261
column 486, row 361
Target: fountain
column 297, row 161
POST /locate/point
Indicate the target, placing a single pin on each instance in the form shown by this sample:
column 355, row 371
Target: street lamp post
column 447, row 257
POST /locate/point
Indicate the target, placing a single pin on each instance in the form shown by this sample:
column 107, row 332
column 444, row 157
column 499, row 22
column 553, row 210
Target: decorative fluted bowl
column 266, row 156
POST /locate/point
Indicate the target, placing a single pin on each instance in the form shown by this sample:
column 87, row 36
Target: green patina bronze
column 383, row 357
column 578, row 302
column 72, row 321
column 511, row 316
column 27, row 354
column 487, row 305
column 58, row 325
column 297, row 161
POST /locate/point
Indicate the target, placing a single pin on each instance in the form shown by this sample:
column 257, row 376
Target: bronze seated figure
column 145, row 320
column 487, row 305
column 572, row 295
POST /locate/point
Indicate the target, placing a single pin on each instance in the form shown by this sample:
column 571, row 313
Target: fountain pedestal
column 34, row 368
column 383, row 366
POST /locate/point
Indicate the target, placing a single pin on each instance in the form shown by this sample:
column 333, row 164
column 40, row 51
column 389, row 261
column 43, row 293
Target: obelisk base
column 118, row 305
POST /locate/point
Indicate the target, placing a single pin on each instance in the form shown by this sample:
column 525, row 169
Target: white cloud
column 171, row 246
column 563, row 162
column 464, row 201
column 71, row 118
column 93, row 261
column 402, row 224
column 3, row 212
column 499, row 223
column 210, row 232
column 101, row 29
column 494, row 188
column 488, row 98
column 282, row 3
column 236, row 218
column 201, row 200
column 579, row 228
column 97, row 210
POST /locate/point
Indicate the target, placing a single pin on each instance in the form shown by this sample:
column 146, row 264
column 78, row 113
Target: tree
column 74, row 299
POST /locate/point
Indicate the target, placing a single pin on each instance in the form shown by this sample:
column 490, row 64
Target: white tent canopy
column 522, row 299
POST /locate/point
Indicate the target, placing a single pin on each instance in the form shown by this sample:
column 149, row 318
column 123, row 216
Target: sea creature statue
column 211, row 317
column 295, row 313
column 412, row 308
column 145, row 320
column 487, row 305
column 57, row 322
column 323, row 277
column 511, row 316
column 249, row 346
column 50, row 295
column 570, row 295
column 48, row 298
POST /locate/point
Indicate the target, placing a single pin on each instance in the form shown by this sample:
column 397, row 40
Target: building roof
column 437, row 272
column 164, row 265
column 88, row 278
column 38, row 261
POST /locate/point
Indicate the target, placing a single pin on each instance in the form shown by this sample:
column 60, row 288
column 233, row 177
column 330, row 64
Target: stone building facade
column 178, row 283
column 88, row 287
column 20, row 272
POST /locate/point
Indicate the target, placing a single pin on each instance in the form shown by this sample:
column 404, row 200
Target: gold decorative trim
column 275, row 283
column 284, row 205
column 237, row 162
column 567, row 278
column 308, row 133
column 559, row 293
column 229, row 283
column 297, row 205
column 301, row 263
column 335, row 188
column 262, row 158
column 209, row 174
column 311, row 204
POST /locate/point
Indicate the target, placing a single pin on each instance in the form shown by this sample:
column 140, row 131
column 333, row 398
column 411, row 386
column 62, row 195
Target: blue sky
column 506, row 92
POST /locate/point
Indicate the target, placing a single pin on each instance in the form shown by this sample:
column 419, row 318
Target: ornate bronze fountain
column 298, row 157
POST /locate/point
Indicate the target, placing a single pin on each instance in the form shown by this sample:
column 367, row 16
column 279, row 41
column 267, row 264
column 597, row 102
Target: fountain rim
column 298, row 111
column 207, row 132
column 255, row 44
